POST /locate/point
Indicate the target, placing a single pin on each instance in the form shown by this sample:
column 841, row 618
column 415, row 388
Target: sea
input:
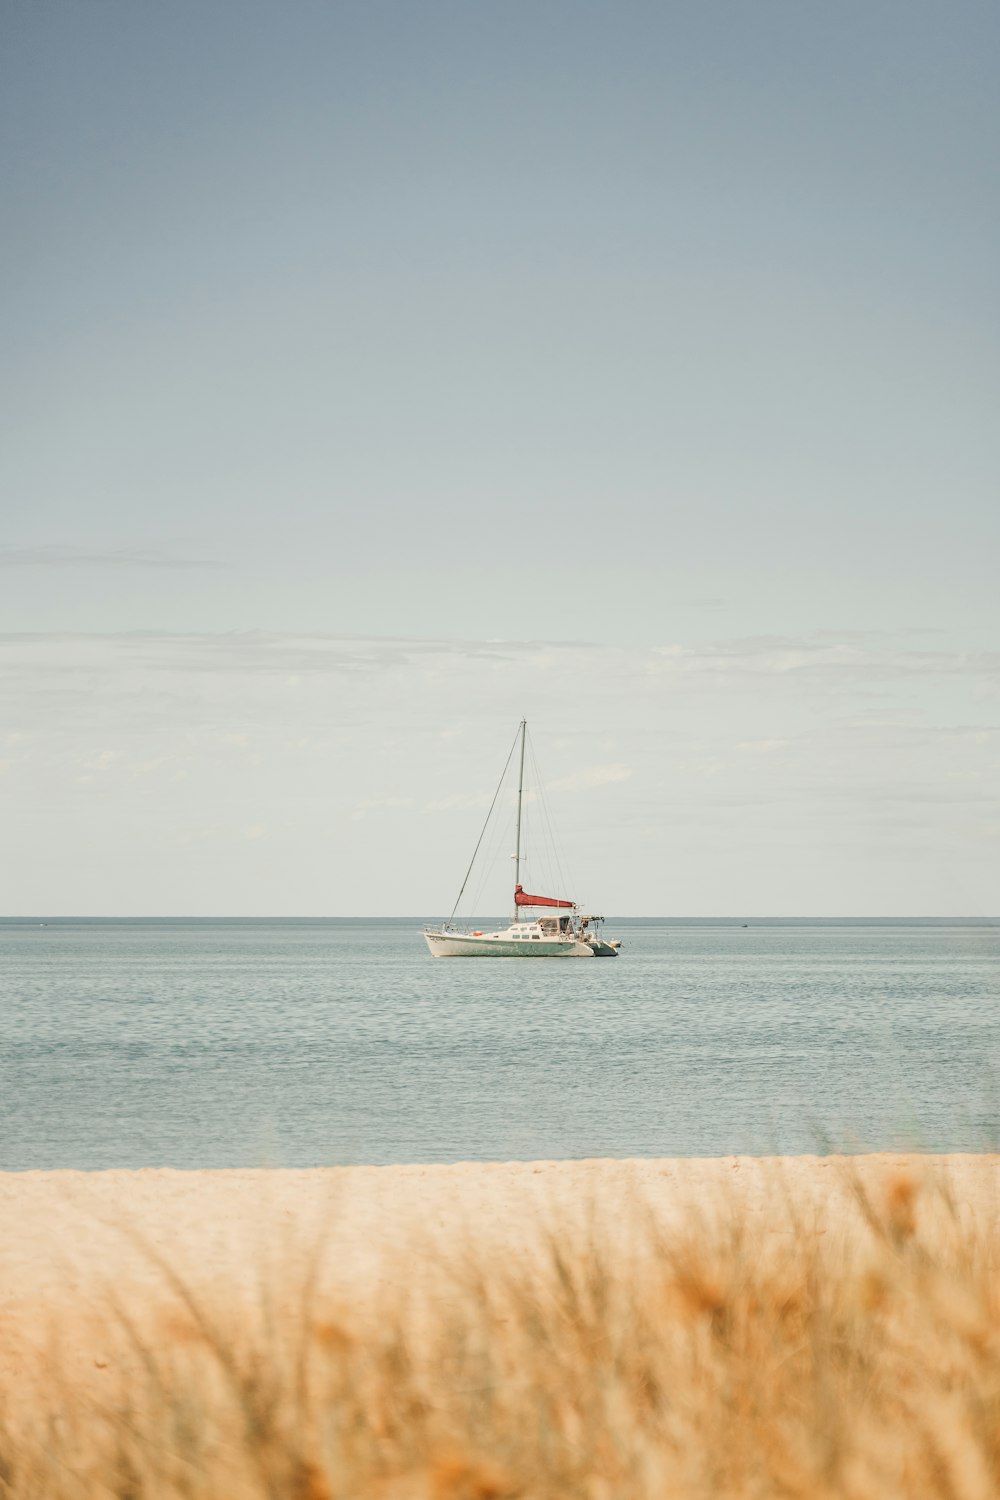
column 306, row 1043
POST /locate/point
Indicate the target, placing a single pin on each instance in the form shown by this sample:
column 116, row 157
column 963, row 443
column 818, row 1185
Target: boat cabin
column 539, row 928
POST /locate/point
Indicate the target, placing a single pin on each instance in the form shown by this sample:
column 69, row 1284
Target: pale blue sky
column 657, row 327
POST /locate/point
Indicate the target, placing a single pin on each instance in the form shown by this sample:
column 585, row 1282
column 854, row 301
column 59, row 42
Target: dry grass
column 785, row 1355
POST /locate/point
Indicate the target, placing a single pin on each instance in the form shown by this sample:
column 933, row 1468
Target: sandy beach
column 616, row 1329
column 69, row 1239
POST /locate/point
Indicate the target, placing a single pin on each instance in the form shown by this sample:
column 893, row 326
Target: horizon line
column 740, row 918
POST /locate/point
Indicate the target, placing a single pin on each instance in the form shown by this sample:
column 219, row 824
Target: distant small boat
column 572, row 934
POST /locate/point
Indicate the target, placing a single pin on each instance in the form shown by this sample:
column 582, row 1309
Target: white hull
column 494, row 945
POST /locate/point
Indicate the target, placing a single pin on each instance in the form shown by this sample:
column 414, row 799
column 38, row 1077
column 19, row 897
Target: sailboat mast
column 520, row 795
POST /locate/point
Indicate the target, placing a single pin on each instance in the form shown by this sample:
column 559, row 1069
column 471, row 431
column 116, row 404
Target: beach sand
column 822, row 1328
column 73, row 1245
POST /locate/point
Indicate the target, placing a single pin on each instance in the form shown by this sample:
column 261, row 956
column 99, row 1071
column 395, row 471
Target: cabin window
column 536, row 937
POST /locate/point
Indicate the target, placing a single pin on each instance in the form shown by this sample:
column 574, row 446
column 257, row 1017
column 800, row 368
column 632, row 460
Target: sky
column 374, row 374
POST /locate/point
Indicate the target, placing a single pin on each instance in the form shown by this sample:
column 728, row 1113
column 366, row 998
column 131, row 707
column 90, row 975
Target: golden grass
column 783, row 1354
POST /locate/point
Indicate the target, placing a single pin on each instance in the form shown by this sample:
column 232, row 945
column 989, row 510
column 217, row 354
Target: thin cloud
column 380, row 804
column 843, row 661
column 590, row 777
column 63, row 555
column 761, row 747
column 459, row 800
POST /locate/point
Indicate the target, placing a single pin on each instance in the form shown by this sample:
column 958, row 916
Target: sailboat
column 563, row 931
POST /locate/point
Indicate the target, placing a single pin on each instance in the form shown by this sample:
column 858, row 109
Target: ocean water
column 307, row 1043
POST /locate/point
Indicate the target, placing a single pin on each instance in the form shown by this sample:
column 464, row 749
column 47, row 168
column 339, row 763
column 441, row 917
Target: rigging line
column 485, row 825
column 486, row 863
column 549, row 826
column 483, row 868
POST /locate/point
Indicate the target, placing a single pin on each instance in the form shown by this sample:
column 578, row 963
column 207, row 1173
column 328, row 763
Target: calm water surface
column 223, row 1044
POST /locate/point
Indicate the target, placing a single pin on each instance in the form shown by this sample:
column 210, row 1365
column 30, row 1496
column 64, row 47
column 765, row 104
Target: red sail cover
column 521, row 898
